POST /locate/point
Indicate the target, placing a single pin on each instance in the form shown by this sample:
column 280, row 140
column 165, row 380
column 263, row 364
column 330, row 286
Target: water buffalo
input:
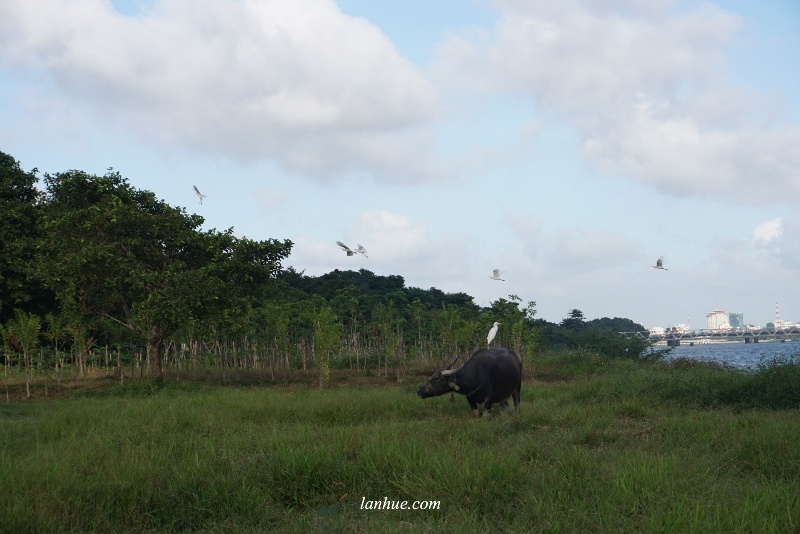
column 488, row 376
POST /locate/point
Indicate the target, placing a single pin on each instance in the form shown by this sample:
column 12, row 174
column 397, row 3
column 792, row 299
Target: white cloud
column 571, row 249
column 789, row 243
column 268, row 199
column 768, row 230
column 297, row 81
column 646, row 86
column 531, row 131
column 557, row 259
column 781, row 238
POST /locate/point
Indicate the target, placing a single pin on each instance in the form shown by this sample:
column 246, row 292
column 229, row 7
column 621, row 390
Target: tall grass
column 773, row 385
column 620, row 447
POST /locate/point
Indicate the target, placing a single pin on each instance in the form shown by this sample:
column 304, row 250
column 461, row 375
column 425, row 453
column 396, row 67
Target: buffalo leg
column 487, row 406
column 474, row 406
column 504, row 405
column 515, row 396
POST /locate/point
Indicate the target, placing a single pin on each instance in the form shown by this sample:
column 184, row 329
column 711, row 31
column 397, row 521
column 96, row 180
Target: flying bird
column 361, row 250
column 200, row 195
column 345, row 248
column 660, row 264
column 492, row 333
column 496, row 275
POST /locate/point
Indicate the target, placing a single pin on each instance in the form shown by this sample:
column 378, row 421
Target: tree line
column 95, row 273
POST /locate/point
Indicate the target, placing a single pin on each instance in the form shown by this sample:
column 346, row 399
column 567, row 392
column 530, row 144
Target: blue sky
column 569, row 145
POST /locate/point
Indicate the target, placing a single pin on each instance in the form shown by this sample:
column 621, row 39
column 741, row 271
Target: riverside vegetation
column 161, row 378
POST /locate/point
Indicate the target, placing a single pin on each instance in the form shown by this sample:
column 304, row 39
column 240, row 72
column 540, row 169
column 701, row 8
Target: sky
column 569, row 144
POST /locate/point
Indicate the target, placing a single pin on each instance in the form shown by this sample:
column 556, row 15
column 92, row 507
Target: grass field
column 597, row 446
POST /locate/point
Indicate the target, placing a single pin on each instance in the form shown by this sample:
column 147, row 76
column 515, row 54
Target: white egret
column 200, row 195
column 496, row 275
column 345, row 248
column 660, row 264
column 492, row 333
column 361, row 250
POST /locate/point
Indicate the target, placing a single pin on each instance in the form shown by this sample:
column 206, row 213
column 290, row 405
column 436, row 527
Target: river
column 741, row 355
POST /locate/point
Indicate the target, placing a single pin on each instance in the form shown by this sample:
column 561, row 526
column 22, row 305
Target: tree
column 56, row 330
column 518, row 331
column 19, row 233
column 456, row 329
column 25, row 329
column 6, row 337
column 117, row 252
column 574, row 320
column 327, row 333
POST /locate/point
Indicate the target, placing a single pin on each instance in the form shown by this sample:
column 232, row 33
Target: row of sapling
column 23, row 334
column 275, row 338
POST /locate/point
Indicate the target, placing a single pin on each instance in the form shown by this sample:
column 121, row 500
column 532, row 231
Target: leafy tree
column 617, row 324
column 19, row 233
column 434, row 299
column 5, row 334
column 418, row 320
column 327, row 333
column 55, row 334
column 25, row 328
column 327, row 284
column 574, row 320
column 518, row 330
column 82, row 343
column 111, row 250
column 457, row 329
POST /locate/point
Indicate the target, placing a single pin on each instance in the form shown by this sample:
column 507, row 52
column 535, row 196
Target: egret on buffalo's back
column 492, row 333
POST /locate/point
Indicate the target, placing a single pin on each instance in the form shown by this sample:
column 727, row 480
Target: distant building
column 736, row 319
column 717, row 320
column 681, row 328
column 656, row 331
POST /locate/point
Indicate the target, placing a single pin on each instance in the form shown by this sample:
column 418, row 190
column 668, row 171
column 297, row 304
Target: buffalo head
column 440, row 383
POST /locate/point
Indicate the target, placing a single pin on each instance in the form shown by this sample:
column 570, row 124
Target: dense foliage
column 19, row 233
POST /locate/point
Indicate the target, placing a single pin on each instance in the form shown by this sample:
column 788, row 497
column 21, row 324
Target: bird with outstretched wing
column 200, row 195
column 345, row 248
column 660, row 264
column 496, row 275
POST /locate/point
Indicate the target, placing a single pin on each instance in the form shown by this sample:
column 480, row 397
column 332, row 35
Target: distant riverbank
column 741, row 355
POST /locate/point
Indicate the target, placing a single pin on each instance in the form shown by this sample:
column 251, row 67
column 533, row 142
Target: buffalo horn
column 450, row 365
column 448, row 372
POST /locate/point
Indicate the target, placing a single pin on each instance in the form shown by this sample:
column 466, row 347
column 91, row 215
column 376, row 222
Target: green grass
column 605, row 446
